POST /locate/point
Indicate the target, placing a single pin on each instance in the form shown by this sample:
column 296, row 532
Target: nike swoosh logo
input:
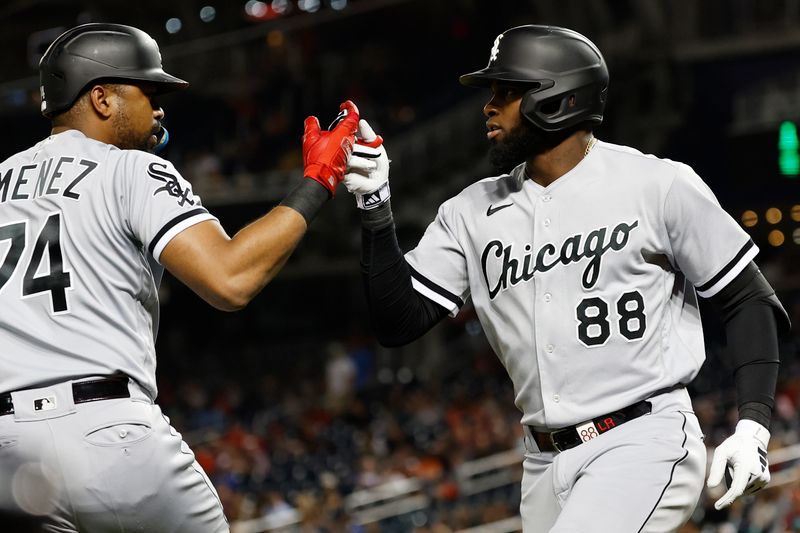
column 492, row 210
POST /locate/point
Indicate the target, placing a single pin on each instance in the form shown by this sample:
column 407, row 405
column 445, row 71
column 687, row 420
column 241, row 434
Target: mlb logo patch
column 48, row 403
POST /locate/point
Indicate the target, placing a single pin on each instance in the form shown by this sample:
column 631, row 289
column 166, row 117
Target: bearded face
column 137, row 117
column 127, row 136
column 523, row 142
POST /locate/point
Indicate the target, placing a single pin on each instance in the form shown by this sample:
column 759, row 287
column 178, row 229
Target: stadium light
column 776, row 237
column 173, row 25
column 207, row 13
column 788, row 156
column 773, row 215
column 749, row 218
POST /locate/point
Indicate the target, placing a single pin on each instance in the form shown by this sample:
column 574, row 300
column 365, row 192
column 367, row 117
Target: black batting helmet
column 91, row 52
column 566, row 71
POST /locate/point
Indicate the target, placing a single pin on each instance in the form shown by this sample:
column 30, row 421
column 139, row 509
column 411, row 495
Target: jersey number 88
column 594, row 327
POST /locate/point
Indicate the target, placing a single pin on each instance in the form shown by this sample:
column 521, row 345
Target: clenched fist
column 325, row 153
column 367, row 174
column 744, row 454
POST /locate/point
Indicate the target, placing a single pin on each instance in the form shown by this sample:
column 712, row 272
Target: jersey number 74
column 55, row 281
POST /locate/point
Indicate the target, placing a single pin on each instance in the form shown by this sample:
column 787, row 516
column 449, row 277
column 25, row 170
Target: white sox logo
column 171, row 183
column 497, row 257
column 495, row 48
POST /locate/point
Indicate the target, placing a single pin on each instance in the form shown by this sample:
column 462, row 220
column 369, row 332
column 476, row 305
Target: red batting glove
column 325, row 153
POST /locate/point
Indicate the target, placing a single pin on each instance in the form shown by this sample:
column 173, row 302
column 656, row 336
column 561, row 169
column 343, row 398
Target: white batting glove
column 367, row 173
column 744, row 454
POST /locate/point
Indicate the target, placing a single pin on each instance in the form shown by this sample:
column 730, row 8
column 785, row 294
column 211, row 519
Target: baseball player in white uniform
column 89, row 220
column 584, row 264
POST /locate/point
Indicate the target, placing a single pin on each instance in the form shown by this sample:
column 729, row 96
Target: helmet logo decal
column 495, row 49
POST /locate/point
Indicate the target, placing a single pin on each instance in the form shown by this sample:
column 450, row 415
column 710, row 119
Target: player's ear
column 103, row 99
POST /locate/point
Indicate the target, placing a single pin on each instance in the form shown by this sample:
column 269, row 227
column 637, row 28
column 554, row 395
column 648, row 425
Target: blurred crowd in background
column 347, row 415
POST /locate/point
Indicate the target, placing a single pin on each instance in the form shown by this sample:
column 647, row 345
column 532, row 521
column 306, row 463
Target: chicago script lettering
column 513, row 270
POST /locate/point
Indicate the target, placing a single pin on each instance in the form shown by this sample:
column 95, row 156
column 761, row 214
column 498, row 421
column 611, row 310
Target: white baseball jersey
column 585, row 288
column 82, row 226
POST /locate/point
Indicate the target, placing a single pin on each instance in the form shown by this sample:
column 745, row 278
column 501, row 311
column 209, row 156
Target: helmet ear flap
column 554, row 106
column 542, row 109
column 551, row 110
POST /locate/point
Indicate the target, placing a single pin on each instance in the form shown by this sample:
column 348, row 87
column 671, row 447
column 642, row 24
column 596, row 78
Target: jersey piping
column 175, row 226
column 729, row 271
column 443, row 297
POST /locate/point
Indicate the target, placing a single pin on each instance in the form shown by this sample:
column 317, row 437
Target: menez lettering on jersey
column 48, row 177
column 513, row 270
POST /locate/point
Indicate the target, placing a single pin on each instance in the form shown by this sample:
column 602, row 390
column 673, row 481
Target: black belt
column 82, row 392
column 569, row 437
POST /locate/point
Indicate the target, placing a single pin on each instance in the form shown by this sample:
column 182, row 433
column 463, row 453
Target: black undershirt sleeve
column 753, row 318
column 399, row 313
column 307, row 198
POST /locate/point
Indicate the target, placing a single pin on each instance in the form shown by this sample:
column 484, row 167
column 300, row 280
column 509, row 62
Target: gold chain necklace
column 589, row 146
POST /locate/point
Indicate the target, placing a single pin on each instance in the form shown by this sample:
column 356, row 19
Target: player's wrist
column 307, row 198
column 374, row 199
column 756, row 411
column 322, row 175
column 378, row 218
column 753, row 429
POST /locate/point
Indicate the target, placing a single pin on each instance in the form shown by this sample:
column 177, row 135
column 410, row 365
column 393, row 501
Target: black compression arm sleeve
column 307, row 198
column 399, row 313
column 753, row 353
column 753, row 316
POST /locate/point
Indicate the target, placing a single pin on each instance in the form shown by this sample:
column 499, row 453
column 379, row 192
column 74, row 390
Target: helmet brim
column 163, row 82
column 171, row 83
column 485, row 77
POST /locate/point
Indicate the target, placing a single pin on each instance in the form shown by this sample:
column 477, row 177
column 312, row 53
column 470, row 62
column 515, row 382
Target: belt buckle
column 550, row 435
